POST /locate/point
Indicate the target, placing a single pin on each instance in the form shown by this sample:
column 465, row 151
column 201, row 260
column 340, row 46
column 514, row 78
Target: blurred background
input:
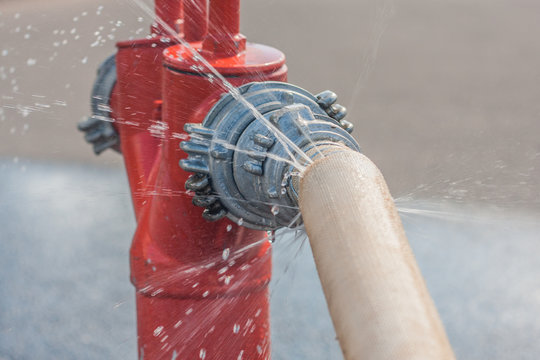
column 444, row 96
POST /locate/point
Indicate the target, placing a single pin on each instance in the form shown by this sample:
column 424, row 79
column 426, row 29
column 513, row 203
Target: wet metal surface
column 65, row 233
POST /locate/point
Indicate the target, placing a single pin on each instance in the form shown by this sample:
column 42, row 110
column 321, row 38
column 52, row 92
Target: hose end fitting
column 251, row 145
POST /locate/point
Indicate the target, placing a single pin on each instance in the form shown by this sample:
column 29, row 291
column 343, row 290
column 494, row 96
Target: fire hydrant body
column 201, row 287
column 197, row 107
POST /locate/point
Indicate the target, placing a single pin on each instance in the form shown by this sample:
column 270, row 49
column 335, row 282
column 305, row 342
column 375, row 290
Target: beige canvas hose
column 378, row 300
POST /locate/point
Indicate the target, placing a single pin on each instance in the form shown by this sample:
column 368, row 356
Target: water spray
column 218, row 149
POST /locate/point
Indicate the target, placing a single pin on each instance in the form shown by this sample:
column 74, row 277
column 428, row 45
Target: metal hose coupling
column 247, row 150
column 98, row 128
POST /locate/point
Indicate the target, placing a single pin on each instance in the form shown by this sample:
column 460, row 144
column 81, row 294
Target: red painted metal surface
column 224, row 38
column 201, row 287
column 138, row 66
column 169, row 12
column 195, row 20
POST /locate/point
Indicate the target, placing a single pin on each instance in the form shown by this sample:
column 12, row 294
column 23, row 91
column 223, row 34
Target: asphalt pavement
column 64, row 273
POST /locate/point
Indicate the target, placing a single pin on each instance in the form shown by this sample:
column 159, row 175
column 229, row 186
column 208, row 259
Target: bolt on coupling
column 248, row 150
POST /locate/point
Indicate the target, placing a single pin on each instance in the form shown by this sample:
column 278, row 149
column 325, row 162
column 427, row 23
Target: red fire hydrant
column 201, row 287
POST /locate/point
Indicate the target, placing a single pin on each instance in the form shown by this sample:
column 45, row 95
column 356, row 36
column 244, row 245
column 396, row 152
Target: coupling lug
column 214, row 212
column 327, row 101
column 100, row 133
column 197, row 182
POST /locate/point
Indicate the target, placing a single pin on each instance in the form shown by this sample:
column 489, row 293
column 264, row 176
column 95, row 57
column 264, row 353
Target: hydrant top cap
column 256, row 58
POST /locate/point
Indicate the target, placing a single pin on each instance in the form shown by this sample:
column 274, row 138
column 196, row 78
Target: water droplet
column 31, row 62
column 189, row 311
column 236, row 328
column 84, row 60
column 140, row 19
column 118, row 304
column 244, row 267
column 158, row 291
column 225, row 254
column 240, row 222
column 229, row 228
column 275, row 210
column 206, row 293
column 5, row 52
column 158, row 330
column 75, row 19
column 17, row 15
column 104, row 107
column 202, row 354
column 178, row 324
column 271, row 236
column 176, row 135
column 27, row 36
